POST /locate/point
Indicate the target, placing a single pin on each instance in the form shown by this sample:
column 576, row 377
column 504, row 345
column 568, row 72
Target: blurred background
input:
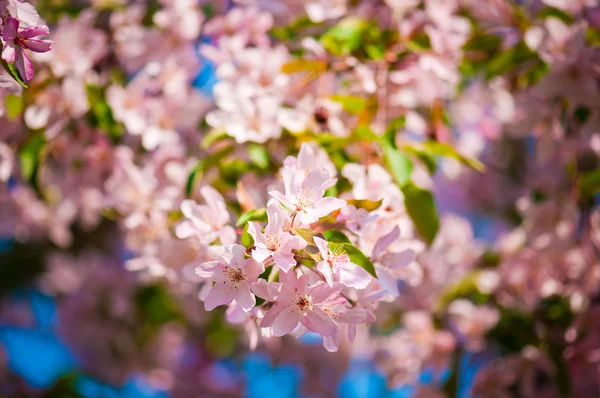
column 96, row 296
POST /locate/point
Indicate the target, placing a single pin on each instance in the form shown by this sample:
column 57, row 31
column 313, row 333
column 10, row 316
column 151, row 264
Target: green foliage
column 156, row 306
column 345, row 37
column 466, row 288
column 101, row 115
column 514, row 331
column 589, row 184
column 399, row 164
column 368, row 205
column 259, row 156
column 336, row 236
column 551, row 12
column 204, row 165
column 14, row 106
column 420, row 206
column 441, row 149
column 510, row 59
column 304, row 65
column 221, row 338
column 246, row 238
column 253, row 215
column 350, row 103
column 29, row 155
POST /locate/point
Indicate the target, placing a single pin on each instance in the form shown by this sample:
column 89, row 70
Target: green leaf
column 510, row 59
column 428, row 159
column 29, row 156
column 204, row 165
column 253, row 215
column 551, row 12
column 246, row 238
column 11, row 69
column 483, row 42
column 356, row 256
column 441, row 149
column 589, row 184
column 213, row 136
column 420, row 42
column 368, row 205
column 259, row 155
column 336, row 236
column 156, row 305
column 101, row 114
column 307, row 234
column 350, row 103
column 14, row 106
column 304, row 65
column 399, row 164
column 420, row 206
column 345, row 37
column 196, row 171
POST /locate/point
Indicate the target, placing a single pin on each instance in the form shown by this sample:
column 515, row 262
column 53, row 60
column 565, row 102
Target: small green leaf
column 213, row 136
column 356, row 256
column 101, row 114
column 253, row 215
column 29, row 156
column 350, row 103
column 14, row 106
column 420, row 206
column 259, row 155
column 345, row 37
column 510, row 59
column 589, row 184
column 194, row 174
column 551, row 12
column 11, row 69
column 304, row 65
column 246, row 238
column 399, row 164
column 440, row 149
column 368, row 205
column 307, row 234
column 336, row 236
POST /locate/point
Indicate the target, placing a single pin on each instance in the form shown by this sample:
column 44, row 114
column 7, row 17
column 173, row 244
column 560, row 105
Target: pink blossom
column 207, row 222
column 297, row 302
column 304, row 196
column 233, row 277
column 16, row 42
column 337, row 267
column 386, row 262
column 274, row 242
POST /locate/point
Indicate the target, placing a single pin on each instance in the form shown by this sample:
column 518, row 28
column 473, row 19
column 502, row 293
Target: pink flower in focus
column 233, row 279
column 297, row 302
column 16, row 42
column 275, row 242
column 304, row 197
column 338, row 267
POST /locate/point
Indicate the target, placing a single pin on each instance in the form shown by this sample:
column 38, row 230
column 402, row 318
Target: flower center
column 304, row 198
column 272, row 242
column 303, row 303
column 236, row 275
